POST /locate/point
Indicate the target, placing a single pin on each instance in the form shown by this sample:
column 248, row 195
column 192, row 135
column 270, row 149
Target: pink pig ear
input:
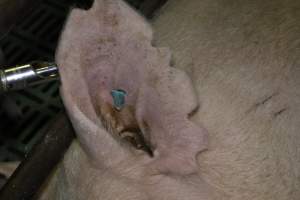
column 165, row 101
column 109, row 47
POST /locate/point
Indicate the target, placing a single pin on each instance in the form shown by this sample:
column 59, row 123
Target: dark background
column 24, row 115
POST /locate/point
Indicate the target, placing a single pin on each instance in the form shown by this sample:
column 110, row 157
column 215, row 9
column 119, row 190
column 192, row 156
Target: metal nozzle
column 23, row 76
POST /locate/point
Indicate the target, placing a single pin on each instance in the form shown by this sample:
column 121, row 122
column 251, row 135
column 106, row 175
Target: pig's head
column 109, row 49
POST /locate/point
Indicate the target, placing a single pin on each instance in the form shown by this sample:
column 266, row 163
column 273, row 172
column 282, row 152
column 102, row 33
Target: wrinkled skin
column 243, row 61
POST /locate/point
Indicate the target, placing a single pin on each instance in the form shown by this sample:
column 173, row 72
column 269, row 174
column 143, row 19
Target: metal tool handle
column 23, row 76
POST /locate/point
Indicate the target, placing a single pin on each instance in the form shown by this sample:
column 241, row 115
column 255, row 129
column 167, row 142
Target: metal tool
column 39, row 163
column 23, row 76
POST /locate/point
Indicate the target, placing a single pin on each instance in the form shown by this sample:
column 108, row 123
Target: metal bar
column 39, row 163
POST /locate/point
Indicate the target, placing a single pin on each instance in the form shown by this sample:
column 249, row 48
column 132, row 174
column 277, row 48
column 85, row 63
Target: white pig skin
column 115, row 52
column 243, row 60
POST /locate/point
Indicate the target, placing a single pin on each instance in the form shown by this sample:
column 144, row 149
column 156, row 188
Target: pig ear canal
column 137, row 137
column 120, row 121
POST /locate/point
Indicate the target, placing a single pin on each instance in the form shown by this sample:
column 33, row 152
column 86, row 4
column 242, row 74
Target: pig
column 219, row 118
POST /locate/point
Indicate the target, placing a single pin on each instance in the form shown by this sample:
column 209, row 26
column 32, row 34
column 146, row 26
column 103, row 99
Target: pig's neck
column 244, row 62
column 78, row 178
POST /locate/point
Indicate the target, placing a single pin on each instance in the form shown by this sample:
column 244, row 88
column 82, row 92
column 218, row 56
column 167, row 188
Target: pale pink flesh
column 113, row 50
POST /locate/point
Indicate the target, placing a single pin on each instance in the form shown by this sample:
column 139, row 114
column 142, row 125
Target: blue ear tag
column 119, row 98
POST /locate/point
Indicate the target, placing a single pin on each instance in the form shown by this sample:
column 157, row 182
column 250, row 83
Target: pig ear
column 78, row 62
column 165, row 102
column 109, row 47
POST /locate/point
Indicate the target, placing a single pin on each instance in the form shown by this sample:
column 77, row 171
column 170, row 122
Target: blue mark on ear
column 119, row 98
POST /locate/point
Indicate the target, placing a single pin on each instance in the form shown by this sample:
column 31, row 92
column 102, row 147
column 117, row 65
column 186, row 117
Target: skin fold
column 235, row 71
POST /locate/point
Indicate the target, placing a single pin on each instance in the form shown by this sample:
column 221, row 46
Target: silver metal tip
column 23, row 76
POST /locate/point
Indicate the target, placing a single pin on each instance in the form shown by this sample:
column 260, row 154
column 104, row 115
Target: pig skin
column 243, row 58
column 109, row 47
column 114, row 51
